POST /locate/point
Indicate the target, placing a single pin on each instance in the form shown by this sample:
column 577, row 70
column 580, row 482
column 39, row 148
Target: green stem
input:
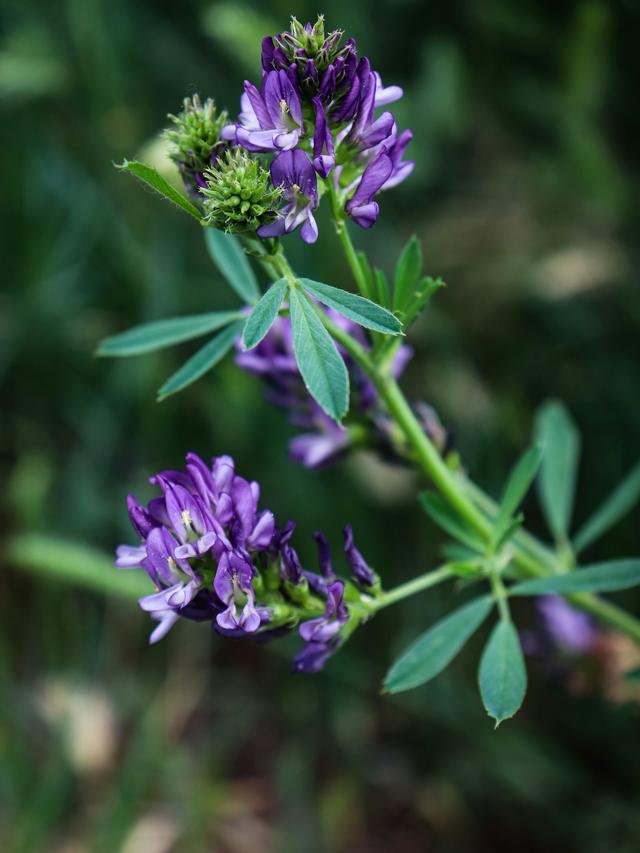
column 405, row 590
column 347, row 246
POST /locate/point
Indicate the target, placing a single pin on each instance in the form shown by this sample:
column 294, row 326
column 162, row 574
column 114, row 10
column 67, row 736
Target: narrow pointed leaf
column 617, row 505
column 560, row 440
column 440, row 512
column 203, row 360
column 517, row 486
column 502, row 675
column 164, row 333
column 382, row 288
column 408, row 270
column 154, row 179
column 367, row 272
column 356, row 308
column 264, row 314
column 228, row 255
column 320, row 364
column 600, row 577
column 425, row 290
column 436, row 648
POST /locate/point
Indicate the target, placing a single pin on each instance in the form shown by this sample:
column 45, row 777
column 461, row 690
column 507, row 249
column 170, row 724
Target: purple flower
column 313, row 656
column 213, row 555
column 270, row 120
column 322, row 441
column 394, row 147
column 569, row 629
column 361, row 207
column 325, row 628
column 293, row 171
column 385, row 95
column 323, row 154
column 361, row 570
column 233, row 585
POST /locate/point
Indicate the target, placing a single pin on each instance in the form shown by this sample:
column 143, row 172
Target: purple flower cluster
column 322, row 440
column 316, row 111
column 214, row 556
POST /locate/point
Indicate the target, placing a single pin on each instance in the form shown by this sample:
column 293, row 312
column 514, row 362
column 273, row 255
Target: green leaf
column 502, row 675
column 203, row 360
column 367, row 272
column 228, row 255
column 617, row 505
column 382, row 288
column 425, row 290
column 320, row 364
column 356, row 308
column 436, row 648
column 600, row 577
column 440, row 512
column 560, row 441
column 264, row 314
column 154, row 179
column 164, row 333
column 520, row 479
column 408, row 270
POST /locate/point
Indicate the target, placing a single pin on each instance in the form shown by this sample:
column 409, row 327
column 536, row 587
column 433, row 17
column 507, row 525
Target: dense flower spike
column 322, row 440
column 194, row 140
column 214, row 556
column 317, row 104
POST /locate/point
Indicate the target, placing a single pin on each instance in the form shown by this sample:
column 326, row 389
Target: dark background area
column 525, row 195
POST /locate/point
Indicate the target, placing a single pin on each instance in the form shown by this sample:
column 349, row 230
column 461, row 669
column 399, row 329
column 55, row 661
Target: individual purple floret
column 569, row 629
column 213, row 555
column 270, row 120
column 293, row 171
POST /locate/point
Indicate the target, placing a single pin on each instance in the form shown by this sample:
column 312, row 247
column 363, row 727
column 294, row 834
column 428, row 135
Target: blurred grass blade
column 321, row 365
column 520, row 479
column 264, row 314
column 228, row 255
column 600, row 577
column 79, row 565
column 154, row 179
column 408, row 270
column 617, row 505
column 560, row 440
column 502, row 675
column 439, row 511
column 163, row 333
column 203, row 360
column 437, row 647
column 362, row 311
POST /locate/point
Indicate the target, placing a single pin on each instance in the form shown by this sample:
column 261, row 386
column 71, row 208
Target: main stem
column 530, row 556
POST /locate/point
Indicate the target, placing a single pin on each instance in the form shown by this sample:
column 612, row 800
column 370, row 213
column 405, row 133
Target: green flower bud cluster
column 239, row 194
column 195, row 134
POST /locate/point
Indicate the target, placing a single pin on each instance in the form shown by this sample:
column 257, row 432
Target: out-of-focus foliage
column 526, row 198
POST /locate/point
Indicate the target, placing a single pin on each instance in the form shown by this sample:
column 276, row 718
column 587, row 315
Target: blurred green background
column 526, row 196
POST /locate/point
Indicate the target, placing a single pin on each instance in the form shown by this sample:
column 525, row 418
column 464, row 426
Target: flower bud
column 194, row 139
column 239, row 195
